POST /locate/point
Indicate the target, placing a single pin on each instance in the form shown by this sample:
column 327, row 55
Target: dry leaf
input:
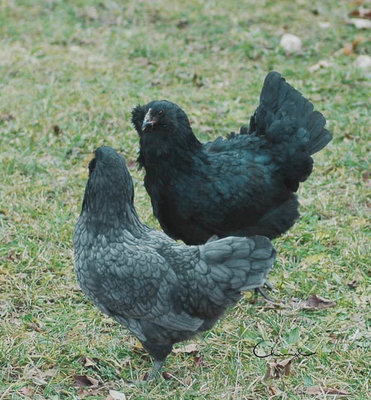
column 318, row 302
column 350, row 48
column 274, row 390
column 91, row 13
column 366, row 176
column 115, row 395
column 56, row 130
column 33, row 326
column 277, row 369
column 83, row 380
column 187, row 380
column 39, row 381
column 26, row 391
column 291, row 44
column 317, row 390
column 353, row 284
column 352, row 137
column 313, row 303
column 361, row 13
column 82, row 393
column 188, row 348
column 360, row 23
column 51, row 372
column 87, row 362
column 199, row 360
column 182, row 23
column 6, row 117
column 145, row 376
column 167, row 376
column 142, row 61
column 319, row 65
column 38, row 376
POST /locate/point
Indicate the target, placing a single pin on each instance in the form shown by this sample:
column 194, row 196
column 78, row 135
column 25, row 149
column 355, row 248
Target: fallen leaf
column 39, row 381
column 277, row 369
column 353, row 284
column 33, row 326
column 274, row 390
column 319, row 65
column 6, row 117
column 83, row 380
column 167, row 376
column 352, row 137
column 197, row 80
column 291, row 44
column 187, row 380
column 360, row 23
column 366, row 176
column 182, row 23
column 188, row 348
column 26, row 391
column 56, row 130
column 82, row 393
column 125, row 361
column 37, row 376
column 199, row 360
column 131, row 164
column 314, row 302
column 51, row 372
column 361, row 13
column 115, row 395
column 319, row 390
column 350, row 48
column 145, row 376
column 318, row 302
column 142, row 61
column 91, row 13
column 87, row 362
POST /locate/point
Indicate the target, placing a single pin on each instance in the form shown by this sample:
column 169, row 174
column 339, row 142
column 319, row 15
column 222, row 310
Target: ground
column 70, row 73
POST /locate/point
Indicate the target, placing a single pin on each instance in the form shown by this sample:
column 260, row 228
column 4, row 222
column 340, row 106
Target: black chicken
column 243, row 185
column 162, row 291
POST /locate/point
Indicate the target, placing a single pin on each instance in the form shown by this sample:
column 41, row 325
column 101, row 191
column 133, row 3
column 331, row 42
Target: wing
column 133, row 281
column 231, row 192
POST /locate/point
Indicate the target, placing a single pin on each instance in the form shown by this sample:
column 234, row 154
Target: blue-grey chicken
column 162, row 291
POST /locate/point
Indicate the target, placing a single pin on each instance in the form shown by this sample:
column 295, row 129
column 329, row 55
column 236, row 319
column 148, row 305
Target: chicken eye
column 160, row 112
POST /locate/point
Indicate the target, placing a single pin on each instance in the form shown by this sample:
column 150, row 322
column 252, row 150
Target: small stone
column 363, row 62
column 291, row 44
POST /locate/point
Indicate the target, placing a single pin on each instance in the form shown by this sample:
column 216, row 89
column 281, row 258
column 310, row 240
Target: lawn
column 70, row 73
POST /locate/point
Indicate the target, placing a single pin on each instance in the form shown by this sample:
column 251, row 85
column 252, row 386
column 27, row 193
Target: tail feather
column 239, row 263
column 279, row 101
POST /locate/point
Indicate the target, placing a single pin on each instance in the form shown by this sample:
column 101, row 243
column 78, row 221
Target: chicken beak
column 147, row 120
column 146, row 123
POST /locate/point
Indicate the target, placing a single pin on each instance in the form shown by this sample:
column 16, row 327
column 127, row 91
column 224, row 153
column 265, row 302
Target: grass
column 70, row 73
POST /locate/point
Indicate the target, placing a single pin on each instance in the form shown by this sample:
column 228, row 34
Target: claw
column 155, row 373
column 265, row 295
column 269, row 286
